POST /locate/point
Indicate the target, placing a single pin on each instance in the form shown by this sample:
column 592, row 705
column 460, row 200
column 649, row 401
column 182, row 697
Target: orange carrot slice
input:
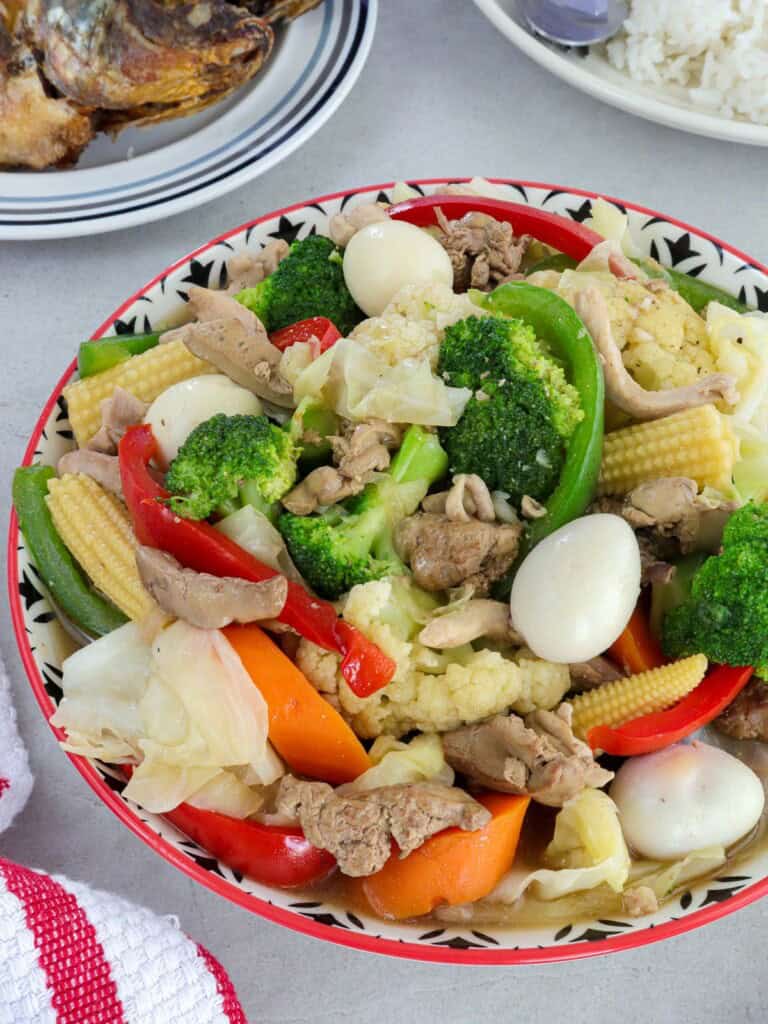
column 637, row 649
column 452, row 867
column 306, row 731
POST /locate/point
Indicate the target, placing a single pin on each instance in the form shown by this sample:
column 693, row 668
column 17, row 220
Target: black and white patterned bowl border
column 43, row 643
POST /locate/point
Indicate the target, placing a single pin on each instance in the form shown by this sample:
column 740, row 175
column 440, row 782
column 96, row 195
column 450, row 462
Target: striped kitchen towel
column 70, row 954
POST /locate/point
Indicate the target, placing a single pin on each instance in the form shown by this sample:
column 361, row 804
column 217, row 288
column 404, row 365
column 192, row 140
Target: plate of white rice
column 699, row 65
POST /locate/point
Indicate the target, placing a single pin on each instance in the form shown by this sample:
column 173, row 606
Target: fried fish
column 36, row 130
column 70, row 67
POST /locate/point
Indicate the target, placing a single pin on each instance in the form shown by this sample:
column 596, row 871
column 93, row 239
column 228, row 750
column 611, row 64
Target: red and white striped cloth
column 70, row 954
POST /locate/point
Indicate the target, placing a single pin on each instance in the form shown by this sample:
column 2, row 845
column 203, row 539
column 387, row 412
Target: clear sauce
column 601, row 902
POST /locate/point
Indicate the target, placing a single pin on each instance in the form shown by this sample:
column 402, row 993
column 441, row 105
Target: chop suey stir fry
column 411, row 558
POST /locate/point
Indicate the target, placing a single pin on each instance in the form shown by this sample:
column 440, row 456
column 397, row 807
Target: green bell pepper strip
column 104, row 353
column 60, row 573
column 558, row 326
column 698, row 294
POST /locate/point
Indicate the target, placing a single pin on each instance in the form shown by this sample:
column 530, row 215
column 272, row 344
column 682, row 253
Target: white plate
column 150, row 173
column 594, row 75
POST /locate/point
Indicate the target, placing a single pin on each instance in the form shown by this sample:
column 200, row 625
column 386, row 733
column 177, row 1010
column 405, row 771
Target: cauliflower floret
column 485, row 684
column 412, row 325
column 319, row 666
column 431, row 691
column 668, row 346
column 664, row 342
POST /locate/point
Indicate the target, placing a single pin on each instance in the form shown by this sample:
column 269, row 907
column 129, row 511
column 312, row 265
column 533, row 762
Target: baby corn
column 612, row 704
column 697, row 443
column 145, row 376
column 95, row 527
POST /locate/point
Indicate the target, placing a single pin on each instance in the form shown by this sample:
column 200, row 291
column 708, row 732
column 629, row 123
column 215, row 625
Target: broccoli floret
column 491, row 348
column 514, row 428
column 334, row 551
column 509, row 440
column 726, row 615
column 353, row 543
column 747, row 526
column 308, row 282
column 230, row 461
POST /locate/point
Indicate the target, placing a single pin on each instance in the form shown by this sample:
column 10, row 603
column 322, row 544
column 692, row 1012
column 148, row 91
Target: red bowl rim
column 370, row 943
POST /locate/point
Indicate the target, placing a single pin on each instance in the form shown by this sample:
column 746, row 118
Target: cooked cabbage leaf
column 227, row 793
column 663, row 877
column 103, row 684
column 255, row 533
column 608, row 220
column 739, row 344
column 183, row 707
column 587, row 850
column 396, row 763
column 358, row 385
column 750, row 474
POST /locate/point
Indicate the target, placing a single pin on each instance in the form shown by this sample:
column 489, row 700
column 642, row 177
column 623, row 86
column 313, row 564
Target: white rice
column 714, row 51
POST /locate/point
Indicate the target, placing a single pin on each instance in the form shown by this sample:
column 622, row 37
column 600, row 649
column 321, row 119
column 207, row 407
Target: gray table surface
column 442, row 94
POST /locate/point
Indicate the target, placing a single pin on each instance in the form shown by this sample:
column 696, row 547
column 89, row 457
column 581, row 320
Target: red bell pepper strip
column 278, row 855
column 364, row 663
column 652, row 732
column 198, row 546
column 566, row 235
column 271, row 854
column 320, row 328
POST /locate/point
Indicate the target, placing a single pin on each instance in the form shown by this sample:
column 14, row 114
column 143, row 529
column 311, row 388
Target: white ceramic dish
column 43, row 643
column 149, row 173
column 594, row 75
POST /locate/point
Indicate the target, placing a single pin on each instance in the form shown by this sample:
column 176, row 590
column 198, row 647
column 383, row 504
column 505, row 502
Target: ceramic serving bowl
column 43, row 643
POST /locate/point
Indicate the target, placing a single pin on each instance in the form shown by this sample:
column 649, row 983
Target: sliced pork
column 537, row 755
column 358, row 829
column 104, row 469
column 118, row 412
column 483, row 251
column 443, row 553
column 205, row 601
